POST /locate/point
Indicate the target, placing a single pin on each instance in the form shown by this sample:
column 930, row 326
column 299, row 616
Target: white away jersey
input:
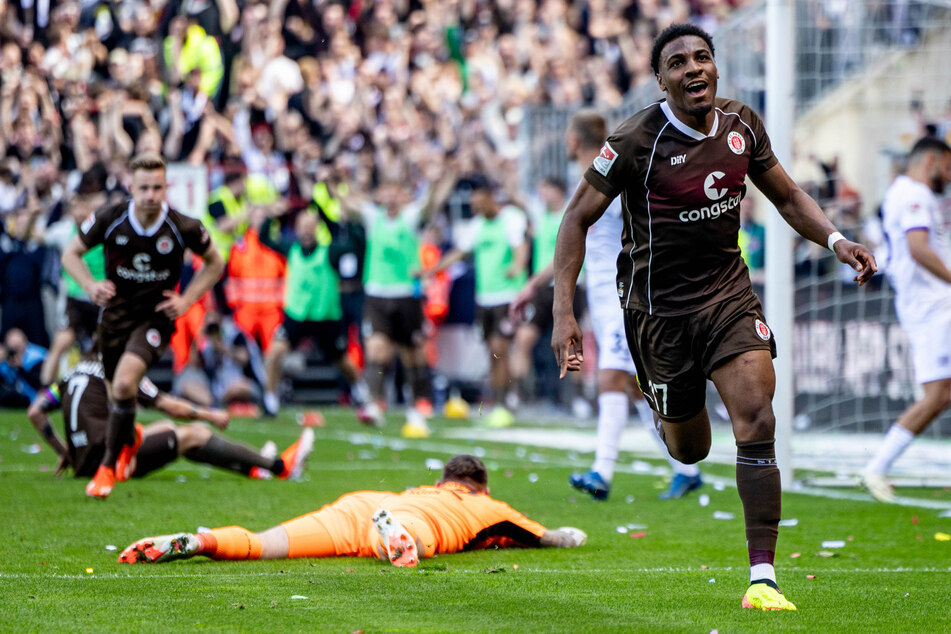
column 912, row 205
column 602, row 245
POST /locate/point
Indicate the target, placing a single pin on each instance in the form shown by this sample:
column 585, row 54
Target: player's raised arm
column 100, row 292
column 584, row 209
column 804, row 215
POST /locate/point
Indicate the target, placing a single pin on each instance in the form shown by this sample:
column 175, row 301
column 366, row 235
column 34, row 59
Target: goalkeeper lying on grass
column 454, row 515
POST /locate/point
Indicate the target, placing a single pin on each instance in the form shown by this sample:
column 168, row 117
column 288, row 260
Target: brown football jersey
column 680, row 192
column 85, row 403
column 142, row 262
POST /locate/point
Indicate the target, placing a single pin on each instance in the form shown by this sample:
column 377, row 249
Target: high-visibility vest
column 436, row 299
column 233, row 207
column 255, row 274
column 199, row 50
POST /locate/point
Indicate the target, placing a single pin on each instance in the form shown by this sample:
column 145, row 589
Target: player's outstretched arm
column 803, row 214
column 449, row 258
column 564, row 537
column 182, row 409
column 586, row 206
column 39, row 416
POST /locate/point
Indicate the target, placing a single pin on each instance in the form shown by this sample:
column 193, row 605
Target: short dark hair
column 465, row 467
column 148, row 161
column 479, row 181
column 926, row 145
column 554, row 181
column 590, row 128
column 670, row 34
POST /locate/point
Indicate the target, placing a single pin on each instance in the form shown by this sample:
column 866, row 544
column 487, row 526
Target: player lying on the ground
column 457, row 514
column 82, row 396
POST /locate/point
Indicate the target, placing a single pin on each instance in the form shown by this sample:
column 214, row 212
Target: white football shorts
column 930, row 346
column 607, row 321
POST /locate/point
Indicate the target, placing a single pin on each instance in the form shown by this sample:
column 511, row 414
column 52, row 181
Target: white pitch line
column 428, row 568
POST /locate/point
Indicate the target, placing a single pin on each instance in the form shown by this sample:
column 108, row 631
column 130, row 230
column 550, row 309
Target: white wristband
column 833, row 238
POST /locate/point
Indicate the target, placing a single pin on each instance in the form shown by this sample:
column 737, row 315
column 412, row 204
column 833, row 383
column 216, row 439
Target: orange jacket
column 255, row 274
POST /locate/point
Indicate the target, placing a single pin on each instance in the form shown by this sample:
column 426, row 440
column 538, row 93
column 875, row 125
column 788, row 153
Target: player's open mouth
column 696, row 88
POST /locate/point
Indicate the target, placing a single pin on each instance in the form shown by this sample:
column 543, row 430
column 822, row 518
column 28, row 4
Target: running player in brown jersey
column 81, row 394
column 455, row 515
column 690, row 311
column 144, row 243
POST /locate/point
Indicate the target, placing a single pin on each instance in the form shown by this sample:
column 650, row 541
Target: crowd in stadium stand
column 292, row 105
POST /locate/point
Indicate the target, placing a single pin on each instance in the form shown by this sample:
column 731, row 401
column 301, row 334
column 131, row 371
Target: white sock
column 360, row 392
column 647, row 417
column 613, row 408
column 896, row 441
column 762, row 571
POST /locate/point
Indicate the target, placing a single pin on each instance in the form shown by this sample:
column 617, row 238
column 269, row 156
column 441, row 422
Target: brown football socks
column 224, row 453
column 120, row 429
column 757, row 481
column 418, row 378
column 375, row 376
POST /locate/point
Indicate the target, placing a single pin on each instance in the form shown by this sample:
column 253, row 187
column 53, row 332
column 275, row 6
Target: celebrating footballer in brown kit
column 680, row 166
column 144, row 243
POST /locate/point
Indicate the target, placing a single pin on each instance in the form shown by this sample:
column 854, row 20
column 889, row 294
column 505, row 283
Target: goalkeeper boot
column 399, row 544
column 764, row 594
column 591, row 483
column 154, row 550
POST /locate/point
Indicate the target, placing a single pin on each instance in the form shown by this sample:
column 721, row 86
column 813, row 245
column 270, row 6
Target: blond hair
column 147, row 161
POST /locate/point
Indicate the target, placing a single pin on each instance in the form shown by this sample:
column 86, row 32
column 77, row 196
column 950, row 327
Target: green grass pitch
column 687, row 574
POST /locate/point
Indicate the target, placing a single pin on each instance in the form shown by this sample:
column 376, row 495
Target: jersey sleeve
column 195, row 236
column 516, row 224
column 92, row 231
column 506, row 527
column 52, row 399
column 614, row 166
column 917, row 214
column 762, row 157
column 464, row 234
